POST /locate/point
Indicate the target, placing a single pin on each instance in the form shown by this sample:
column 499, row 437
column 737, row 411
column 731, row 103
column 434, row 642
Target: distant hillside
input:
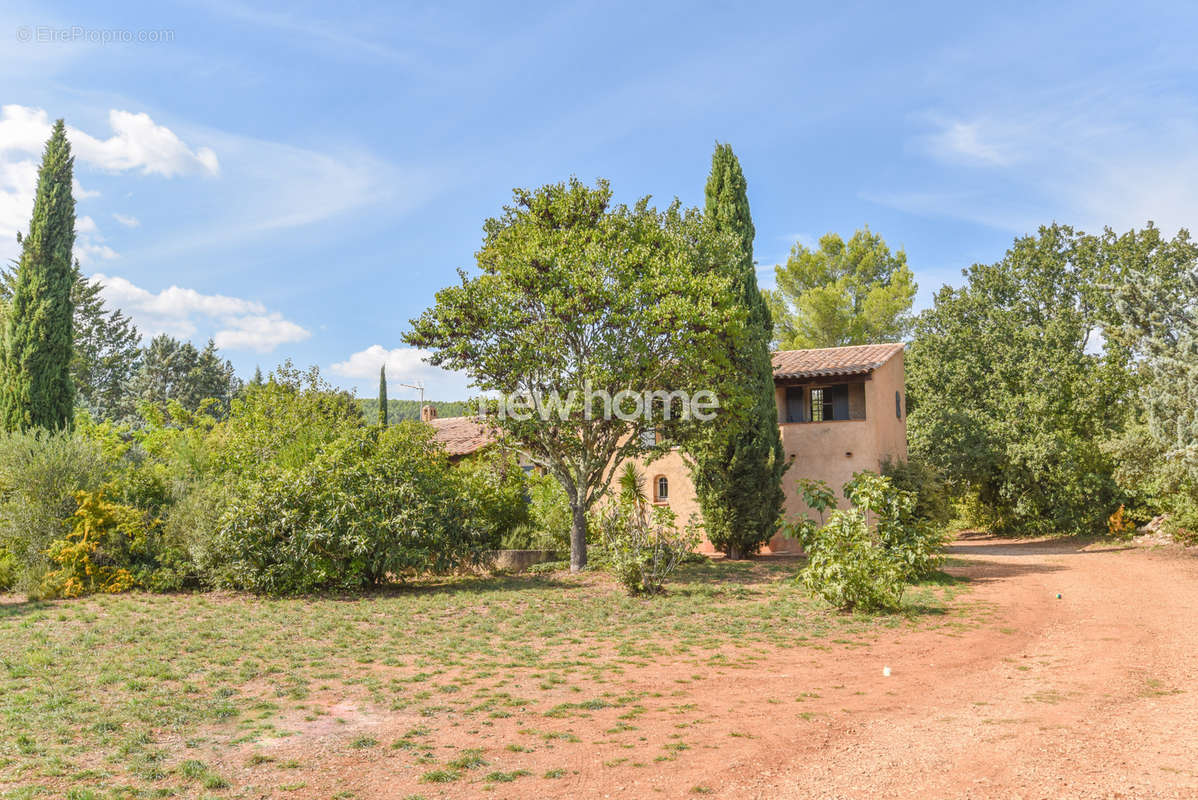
column 410, row 409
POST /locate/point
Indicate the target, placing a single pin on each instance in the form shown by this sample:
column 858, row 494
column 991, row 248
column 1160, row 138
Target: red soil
column 1093, row 695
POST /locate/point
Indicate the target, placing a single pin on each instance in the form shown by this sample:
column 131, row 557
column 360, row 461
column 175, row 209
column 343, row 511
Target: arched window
column 661, row 489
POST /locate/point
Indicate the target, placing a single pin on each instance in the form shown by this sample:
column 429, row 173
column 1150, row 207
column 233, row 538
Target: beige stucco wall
column 682, row 500
column 827, row 451
column 833, row 451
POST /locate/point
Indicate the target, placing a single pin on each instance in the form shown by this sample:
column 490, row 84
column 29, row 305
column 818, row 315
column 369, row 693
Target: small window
column 662, row 488
column 821, row 408
column 898, row 405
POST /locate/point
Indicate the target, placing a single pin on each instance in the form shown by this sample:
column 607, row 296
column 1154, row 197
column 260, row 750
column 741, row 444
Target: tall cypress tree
column 739, row 464
column 383, row 396
column 36, row 387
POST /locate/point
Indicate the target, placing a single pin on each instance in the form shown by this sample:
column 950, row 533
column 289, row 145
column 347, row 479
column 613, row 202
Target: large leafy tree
column 36, row 388
column 842, row 293
column 738, row 465
column 1013, row 392
column 1157, row 317
column 576, row 294
column 177, row 371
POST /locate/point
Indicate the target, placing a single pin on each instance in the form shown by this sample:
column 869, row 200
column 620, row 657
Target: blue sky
column 298, row 180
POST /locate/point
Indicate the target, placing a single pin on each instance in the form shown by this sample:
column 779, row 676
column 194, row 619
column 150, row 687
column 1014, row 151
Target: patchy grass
column 135, row 695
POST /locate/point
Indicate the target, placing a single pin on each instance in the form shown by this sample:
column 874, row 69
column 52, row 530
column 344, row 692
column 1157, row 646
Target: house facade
column 841, row 410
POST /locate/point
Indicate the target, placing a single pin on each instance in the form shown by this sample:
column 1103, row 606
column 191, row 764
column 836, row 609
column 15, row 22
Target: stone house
column 841, row 410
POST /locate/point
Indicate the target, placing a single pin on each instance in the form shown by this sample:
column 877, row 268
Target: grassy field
column 189, row 695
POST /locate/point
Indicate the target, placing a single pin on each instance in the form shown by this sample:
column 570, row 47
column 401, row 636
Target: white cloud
column 127, row 220
column 18, row 182
column 137, row 143
column 88, row 250
column 1091, row 161
column 261, row 333
column 79, row 192
column 968, row 142
column 235, row 323
column 404, row 365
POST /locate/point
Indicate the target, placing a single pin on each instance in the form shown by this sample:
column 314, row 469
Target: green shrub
column 849, row 567
column 368, row 507
column 641, row 542
column 40, row 472
column 863, row 557
column 8, row 570
column 495, row 494
column 548, row 518
column 111, row 548
column 933, row 499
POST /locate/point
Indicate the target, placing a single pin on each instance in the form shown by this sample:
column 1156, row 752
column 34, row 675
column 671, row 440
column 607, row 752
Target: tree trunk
column 735, row 553
column 578, row 540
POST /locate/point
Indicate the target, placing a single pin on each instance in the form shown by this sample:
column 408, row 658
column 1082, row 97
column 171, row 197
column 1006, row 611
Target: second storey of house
column 840, row 410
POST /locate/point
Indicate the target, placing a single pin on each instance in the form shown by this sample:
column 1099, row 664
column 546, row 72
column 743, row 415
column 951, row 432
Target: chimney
column 428, row 413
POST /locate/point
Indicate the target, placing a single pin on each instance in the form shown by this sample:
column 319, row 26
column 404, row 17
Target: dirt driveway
column 1093, row 695
column 1015, row 694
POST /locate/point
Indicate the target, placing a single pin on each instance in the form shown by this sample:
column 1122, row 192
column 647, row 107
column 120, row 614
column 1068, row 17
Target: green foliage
column 864, row 556
column 739, row 463
column 819, row 497
column 842, row 293
column 287, row 421
column 40, row 473
column 174, row 371
column 382, row 400
column 1007, row 399
column 549, row 512
column 1157, row 315
column 575, row 293
column 398, row 410
column 36, row 388
column 494, row 493
column 94, row 557
column 933, row 497
column 549, row 519
column 369, row 506
column 106, row 352
column 8, row 569
column 640, row 540
column 849, row 568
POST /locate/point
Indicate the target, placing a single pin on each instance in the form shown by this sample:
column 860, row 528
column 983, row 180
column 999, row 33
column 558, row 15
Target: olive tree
column 578, row 299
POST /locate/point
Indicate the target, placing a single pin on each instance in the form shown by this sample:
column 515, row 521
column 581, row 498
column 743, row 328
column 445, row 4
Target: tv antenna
column 419, row 386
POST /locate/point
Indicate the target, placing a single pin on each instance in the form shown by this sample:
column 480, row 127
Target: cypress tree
column 383, row 396
column 36, row 386
column 739, row 464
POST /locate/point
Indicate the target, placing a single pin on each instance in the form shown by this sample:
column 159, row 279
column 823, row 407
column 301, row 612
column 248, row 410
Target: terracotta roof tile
column 462, row 435
column 830, row 361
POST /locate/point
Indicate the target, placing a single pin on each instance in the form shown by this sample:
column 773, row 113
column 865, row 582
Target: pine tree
column 257, row 379
column 739, row 464
column 383, row 396
column 36, row 388
column 107, row 352
column 174, row 370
